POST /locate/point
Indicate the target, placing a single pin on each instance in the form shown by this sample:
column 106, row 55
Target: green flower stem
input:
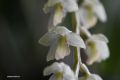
column 80, row 2
column 77, row 58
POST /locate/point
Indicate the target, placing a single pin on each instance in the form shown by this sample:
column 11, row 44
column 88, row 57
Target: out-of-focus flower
column 91, row 77
column 96, row 48
column 61, row 71
column 59, row 38
column 88, row 75
column 90, row 11
column 61, row 7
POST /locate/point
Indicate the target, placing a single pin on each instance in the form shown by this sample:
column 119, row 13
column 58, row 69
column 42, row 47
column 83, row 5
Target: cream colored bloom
column 91, row 77
column 60, row 8
column 61, row 71
column 90, row 11
column 96, row 48
column 59, row 39
column 88, row 75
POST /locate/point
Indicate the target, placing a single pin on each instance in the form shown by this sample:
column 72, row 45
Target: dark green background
column 22, row 23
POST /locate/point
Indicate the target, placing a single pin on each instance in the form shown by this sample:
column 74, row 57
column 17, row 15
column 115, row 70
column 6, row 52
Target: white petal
column 50, row 4
column 69, row 5
column 97, row 51
column 50, row 22
column 55, row 67
column 98, row 9
column 87, row 20
column 62, row 49
column 91, row 77
column 103, row 50
column 94, row 77
column 68, row 73
column 91, row 52
column 48, row 38
column 58, row 17
column 100, row 37
column 52, row 51
column 89, row 2
column 75, row 40
column 61, row 30
column 100, row 12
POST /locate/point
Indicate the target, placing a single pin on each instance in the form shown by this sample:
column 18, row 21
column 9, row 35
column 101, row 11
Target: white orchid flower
column 86, row 18
column 59, row 38
column 61, row 7
column 91, row 77
column 96, row 48
column 61, row 71
column 88, row 75
column 90, row 11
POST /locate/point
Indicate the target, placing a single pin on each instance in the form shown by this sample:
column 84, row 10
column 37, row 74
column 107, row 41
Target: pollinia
column 83, row 15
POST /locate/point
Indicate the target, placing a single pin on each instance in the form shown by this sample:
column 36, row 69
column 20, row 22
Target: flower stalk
column 77, row 57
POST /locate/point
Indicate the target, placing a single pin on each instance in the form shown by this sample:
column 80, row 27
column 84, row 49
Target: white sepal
column 97, row 49
column 52, row 51
column 58, row 17
column 61, row 30
column 55, row 67
column 48, row 38
column 62, row 49
column 100, row 12
column 69, row 5
column 75, row 40
column 100, row 37
column 87, row 19
column 98, row 9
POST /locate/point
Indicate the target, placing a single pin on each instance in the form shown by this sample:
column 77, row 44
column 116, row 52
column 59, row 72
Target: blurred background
column 22, row 23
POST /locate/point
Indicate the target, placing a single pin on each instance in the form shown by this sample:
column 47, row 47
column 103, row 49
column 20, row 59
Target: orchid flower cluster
column 84, row 15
